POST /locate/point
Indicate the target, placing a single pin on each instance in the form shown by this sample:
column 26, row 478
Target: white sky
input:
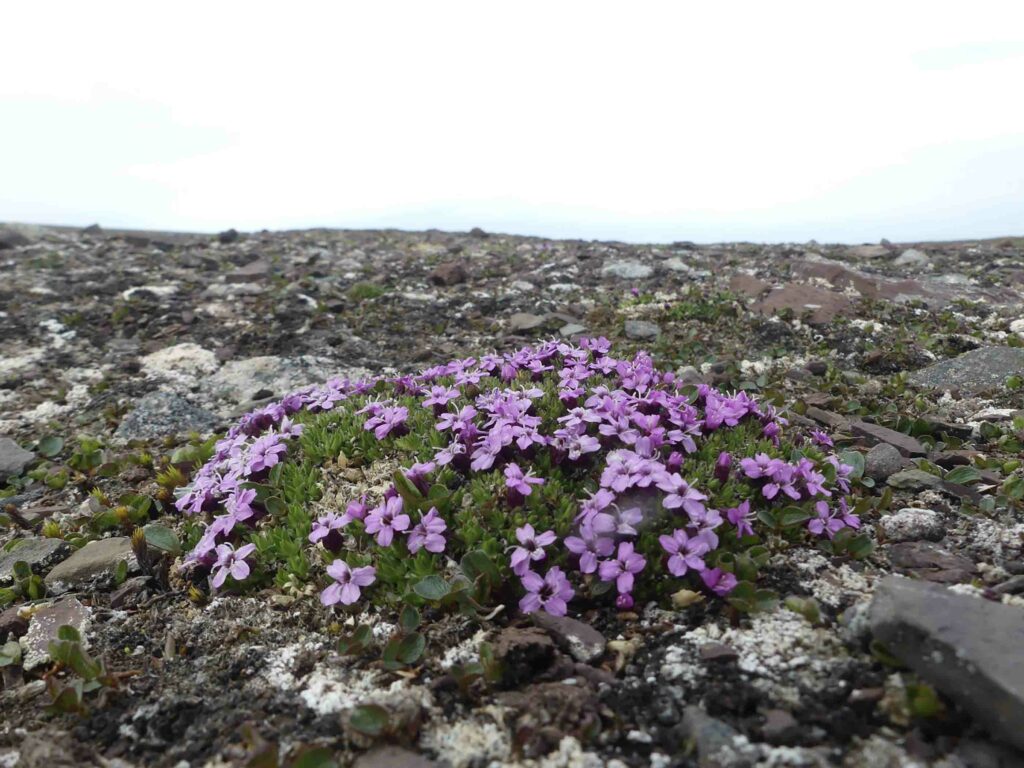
column 629, row 120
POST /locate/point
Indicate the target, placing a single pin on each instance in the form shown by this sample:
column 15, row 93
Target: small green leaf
column 964, row 475
column 409, row 619
column 121, row 571
column 314, row 757
column 69, row 634
column 21, row 570
column 162, row 538
column 10, row 653
column 856, row 460
column 411, row 648
column 369, row 719
column 432, row 588
column 50, row 446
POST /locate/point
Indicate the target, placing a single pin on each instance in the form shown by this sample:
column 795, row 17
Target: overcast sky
column 636, row 121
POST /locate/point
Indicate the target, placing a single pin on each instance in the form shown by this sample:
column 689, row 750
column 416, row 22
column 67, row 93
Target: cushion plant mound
column 552, row 476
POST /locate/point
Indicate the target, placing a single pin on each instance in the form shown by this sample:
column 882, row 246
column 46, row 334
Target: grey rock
column 160, row 414
column 688, row 375
column 40, row 554
column 641, row 330
column 718, row 744
column 95, row 562
column 930, row 562
column 975, row 753
column 571, row 329
column 967, row 647
column 972, row 372
column 867, row 251
column 911, row 524
column 238, row 380
column 627, row 270
column 911, row 258
column 252, row 272
column 228, row 236
column 914, row 480
column 581, row 640
column 905, row 444
column 13, row 459
column 12, row 238
column 881, row 461
column 449, row 273
column 780, row 727
column 1012, row 586
column 44, row 625
column 524, row 321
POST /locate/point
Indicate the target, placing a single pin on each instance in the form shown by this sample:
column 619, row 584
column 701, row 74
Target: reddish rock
column 820, row 305
column 748, row 285
column 448, row 273
column 905, row 444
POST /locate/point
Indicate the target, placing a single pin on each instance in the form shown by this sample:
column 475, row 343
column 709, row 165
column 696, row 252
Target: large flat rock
column 974, row 371
column 969, row 648
column 96, row 561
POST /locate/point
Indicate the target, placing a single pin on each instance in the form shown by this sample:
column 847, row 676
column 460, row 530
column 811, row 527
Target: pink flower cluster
column 628, row 423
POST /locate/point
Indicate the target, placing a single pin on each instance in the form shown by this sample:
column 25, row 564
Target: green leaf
column 69, row 634
column 121, row 572
column 314, row 757
column 21, row 570
column 411, row 648
column 50, row 446
column 856, row 460
column 369, row 719
column 793, row 516
column 432, row 588
column 409, row 619
column 162, row 538
column 10, row 653
column 964, row 475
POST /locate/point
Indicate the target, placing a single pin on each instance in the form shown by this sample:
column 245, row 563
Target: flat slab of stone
column 974, row 371
column 13, row 459
column 42, row 630
column 969, row 648
column 160, row 414
column 40, row 554
column 821, row 306
column 876, row 433
column 96, row 561
column 930, row 562
column 581, row 640
column 641, row 330
column 628, row 270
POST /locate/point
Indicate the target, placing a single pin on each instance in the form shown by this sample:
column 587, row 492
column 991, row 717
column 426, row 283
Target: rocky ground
column 116, row 348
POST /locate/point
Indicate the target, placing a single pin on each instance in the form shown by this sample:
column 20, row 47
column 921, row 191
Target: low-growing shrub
column 556, row 474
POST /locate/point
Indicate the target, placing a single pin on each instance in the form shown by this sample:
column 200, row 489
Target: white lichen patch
column 482, row 739
column 182, row 362
column 837, row 585
column 464, row 651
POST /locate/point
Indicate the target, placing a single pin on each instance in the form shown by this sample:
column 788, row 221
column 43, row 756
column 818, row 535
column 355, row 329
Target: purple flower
column 516, row 481
column 820, row 438
column 718, row 581
column 531, row 548
column 687, row 552
column 428, row 533
column 761, row 465
column 723, row 465
column 622, row 569
column 348, row 583
column 231, row 561
column 386, row 520
column 742, row 517
column 680, row 494
column 590, row 546
column 265, row 452
column 550, row 593
column 327, row 528
column 356, row 510
column 848, row 517
column 387, row 419
column 440, row 396
column 828, row 521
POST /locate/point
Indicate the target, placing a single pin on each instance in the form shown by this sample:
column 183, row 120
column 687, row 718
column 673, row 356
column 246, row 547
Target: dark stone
column 93, row 229
column 715, row 741
column 718, row 652
column 582, row 641
column 160, row 414
column 930, row 562
column 974, row 371
column 817, row 367
column 228, row 236
column 967, row 647
column 905, row 444
column 780, row 727
column 12, row 624
column 477, row 232
column 525, row 652
column 950, row 459
column 13, row 459
column 448, row 273
column 12, row 238
column 40, row 554
column 882, row 461
column 833, row 420
column 1012, row 586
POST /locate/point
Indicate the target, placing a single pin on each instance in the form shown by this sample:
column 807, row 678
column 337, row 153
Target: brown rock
column 448, row 273
column 718, row 652
column 780, row 727
column 748, row 285
column 12, row 624
column 930, row 562
column 581, row 640
column 905, row 444
column 250, row 273
column 525, row 653
column 823, row 306
column 834, row 420
column 392, row 757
